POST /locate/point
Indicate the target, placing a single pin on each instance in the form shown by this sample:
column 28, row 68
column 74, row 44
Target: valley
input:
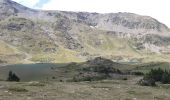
column 56, row 81
column 63, row 37
column 64, row 55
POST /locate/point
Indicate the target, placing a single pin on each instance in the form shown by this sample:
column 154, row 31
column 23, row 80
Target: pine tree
column 13, row 77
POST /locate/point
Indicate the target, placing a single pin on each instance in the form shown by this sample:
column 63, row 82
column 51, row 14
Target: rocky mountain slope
column 30, row 35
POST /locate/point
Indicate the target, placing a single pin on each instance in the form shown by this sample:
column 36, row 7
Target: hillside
column 30, row 36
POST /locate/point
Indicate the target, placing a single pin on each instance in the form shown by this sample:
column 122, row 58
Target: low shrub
column 155, row 75
column 149, row 82
column 90, row 76
column 137, row 73
column 17, row 89
column 36, row 84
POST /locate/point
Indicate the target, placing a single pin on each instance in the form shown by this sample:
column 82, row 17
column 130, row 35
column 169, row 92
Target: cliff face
column 59, row 36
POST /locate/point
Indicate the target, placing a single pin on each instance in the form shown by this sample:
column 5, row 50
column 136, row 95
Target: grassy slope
column 61, row 56
column 5, row 49
column 9, row 53
column 101, row 90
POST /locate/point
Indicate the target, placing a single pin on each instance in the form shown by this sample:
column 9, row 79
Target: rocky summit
column 29, row 36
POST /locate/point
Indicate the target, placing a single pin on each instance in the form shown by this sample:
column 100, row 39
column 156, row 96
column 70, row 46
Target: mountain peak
column 11, row 8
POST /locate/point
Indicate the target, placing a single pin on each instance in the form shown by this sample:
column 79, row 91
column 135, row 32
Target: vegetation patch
column 17, row 89
column 131, row 92
column 159, row 98
column 89, row 77
column 137, row 73
column 36, row 84
column 155, row 75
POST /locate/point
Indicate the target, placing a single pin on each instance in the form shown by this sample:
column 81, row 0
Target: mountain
column 29, row 35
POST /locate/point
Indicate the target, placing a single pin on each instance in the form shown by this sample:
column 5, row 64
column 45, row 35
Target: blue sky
column 158, row 9
column 40, row 3
column 37, row 4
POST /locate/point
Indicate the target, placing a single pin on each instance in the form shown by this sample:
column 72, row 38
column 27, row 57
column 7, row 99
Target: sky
column 158, row 9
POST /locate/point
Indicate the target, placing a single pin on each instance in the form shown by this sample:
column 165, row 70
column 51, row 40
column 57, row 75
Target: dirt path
column 27, row 58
